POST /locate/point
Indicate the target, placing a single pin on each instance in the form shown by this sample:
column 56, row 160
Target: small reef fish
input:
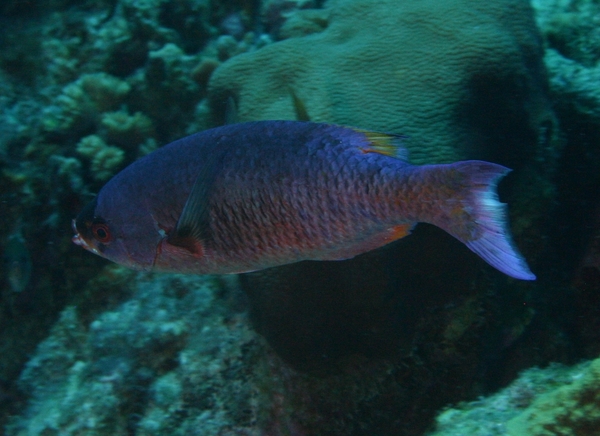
column 249, row 196
column 17, row 262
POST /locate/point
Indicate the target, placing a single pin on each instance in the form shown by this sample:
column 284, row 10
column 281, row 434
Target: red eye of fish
column 102, row 233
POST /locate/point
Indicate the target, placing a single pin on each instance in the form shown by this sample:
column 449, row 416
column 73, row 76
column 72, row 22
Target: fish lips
column 81, row 227
column 78, row 239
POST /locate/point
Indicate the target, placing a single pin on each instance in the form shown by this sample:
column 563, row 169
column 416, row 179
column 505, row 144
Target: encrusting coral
column 557, row 400
column 571, row 409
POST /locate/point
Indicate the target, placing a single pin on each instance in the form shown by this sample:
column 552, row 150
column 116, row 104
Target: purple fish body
column 250, row 196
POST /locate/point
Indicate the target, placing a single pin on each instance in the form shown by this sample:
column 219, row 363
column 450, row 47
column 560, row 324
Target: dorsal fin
column 389, row 144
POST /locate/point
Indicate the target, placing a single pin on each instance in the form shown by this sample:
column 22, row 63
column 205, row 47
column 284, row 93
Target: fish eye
column 101, row 232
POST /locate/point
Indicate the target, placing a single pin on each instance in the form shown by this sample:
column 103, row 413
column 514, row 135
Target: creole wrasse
column 249, row 196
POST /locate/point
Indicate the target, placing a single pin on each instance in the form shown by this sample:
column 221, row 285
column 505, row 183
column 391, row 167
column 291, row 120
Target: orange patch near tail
column 399, row 232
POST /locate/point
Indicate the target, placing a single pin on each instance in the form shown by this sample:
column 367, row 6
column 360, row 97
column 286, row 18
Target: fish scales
column 292, row 229
column 325, row 172
column 254, row 195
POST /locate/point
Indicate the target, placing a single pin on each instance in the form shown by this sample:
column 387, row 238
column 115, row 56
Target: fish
column 17, row 262
column 249, row 196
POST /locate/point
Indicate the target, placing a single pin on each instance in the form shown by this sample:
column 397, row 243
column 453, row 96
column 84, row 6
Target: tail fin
column 475, row 217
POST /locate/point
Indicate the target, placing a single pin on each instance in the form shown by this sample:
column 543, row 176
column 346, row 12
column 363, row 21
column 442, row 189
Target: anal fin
column 359, row 247
column 400, row 231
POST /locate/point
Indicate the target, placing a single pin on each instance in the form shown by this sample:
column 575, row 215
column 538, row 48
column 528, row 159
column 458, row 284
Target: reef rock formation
column 557, row 400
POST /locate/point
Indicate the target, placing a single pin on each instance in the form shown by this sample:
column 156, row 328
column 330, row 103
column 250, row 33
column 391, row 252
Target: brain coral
column 461, row 78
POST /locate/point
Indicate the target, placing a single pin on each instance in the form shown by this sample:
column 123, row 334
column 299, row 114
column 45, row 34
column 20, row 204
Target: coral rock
column 572, row 409
column 104, row 159
column 462, row 79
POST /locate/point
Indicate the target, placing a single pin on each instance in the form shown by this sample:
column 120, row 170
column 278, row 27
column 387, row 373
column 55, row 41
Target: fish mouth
column 78, row 239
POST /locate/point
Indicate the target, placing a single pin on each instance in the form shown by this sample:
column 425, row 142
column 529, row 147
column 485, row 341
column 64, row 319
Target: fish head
column 114, row 233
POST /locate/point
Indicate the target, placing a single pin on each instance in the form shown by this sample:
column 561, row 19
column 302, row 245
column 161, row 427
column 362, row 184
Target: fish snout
column 79, row 240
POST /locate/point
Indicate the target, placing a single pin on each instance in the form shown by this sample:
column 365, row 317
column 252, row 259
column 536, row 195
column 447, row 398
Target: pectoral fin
column 193, row 227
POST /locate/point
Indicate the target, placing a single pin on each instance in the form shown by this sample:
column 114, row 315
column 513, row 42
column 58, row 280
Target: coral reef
column 573, row 61
column 276, row 13
column 83, row 100
column 557, row 400
column 138, row 364
column 176, row 355
column 374, row 345
column 104, row 159
column 571, row 409
column 126, row 130
column 169, row 354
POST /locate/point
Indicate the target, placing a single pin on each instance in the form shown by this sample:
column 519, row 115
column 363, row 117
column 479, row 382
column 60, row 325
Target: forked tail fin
column 474, row 216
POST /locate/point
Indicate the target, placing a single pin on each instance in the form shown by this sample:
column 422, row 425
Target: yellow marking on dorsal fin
column 385, row 143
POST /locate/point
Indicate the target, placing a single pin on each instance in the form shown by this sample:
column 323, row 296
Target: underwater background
column 420, row 337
